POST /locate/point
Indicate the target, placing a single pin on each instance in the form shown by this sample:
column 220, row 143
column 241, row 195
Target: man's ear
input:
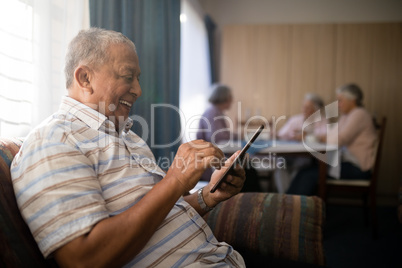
column 83, row 76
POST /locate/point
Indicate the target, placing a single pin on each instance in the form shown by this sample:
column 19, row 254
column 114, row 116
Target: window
column 194, row 67
column 34, row 35
column 16, row 67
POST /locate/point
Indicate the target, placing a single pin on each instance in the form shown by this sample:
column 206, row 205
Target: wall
column 302, row 46
column 226, row 12
column 302, row 11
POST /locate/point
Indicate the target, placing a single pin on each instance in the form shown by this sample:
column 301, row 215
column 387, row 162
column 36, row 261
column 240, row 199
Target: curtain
column 211, row 26
column 154, row 27
column 34, row 35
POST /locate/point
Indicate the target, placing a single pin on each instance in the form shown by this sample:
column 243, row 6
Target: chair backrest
column 17, row 245
column 380, row 141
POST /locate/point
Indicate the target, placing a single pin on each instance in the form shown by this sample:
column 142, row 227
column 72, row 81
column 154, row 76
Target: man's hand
column 191, row 160
column 231, row 185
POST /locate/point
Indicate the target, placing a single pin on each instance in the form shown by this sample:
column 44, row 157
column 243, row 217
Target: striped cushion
column 282, row 226
column 8, row 149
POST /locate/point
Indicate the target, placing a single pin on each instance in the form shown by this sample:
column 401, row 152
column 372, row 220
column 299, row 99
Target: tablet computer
column 239, row 158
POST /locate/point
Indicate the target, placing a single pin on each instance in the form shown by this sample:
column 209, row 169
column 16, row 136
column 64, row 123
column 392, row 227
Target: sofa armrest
column 277, row 225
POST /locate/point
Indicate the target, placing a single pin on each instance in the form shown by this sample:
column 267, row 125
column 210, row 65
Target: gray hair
column 315, row 99
column 220, row 94
column 90, row 47
column 351, row 92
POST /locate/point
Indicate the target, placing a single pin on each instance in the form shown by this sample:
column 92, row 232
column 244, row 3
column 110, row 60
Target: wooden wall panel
column 354, row 50
column 234, row 52
column 272, row 61
column 384, row 97
column 312, row 64
column 325, row 62
column 256, row 64
column 271, row 67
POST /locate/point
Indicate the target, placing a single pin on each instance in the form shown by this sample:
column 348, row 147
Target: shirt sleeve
column 350, row 127
column 57, row 191
column 287, row 132
column 220, row 131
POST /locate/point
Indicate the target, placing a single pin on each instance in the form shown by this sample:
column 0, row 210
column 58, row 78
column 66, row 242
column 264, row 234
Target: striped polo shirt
column 75, row 170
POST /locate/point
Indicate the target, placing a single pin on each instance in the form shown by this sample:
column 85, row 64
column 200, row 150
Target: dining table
column 325, row 153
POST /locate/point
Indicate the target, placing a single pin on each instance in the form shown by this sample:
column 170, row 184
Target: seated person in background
column 355, row 137
column 293, row 130
column 213, row 128
column 213, row 125
column 90, row 189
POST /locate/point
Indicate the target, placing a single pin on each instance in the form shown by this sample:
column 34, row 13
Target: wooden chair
column 366, row 188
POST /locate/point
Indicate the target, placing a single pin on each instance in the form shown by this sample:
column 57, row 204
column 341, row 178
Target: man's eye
column 129, row 78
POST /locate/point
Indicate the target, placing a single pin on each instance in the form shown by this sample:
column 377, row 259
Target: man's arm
column 116, row 240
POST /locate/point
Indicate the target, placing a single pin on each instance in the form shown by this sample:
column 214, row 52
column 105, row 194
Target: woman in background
column 293, row 130
column 213, row 127
column 355, row 137
column 213, row 124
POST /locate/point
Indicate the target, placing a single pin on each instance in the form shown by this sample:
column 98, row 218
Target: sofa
column 281, row 230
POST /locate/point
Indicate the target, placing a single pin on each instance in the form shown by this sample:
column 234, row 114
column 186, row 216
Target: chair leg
column 374, row 223
column 365, row 210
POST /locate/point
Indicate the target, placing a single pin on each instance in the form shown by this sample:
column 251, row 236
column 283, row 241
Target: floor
column 348, row 242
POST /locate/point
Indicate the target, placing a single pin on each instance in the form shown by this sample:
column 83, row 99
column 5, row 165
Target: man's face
column 116, row 83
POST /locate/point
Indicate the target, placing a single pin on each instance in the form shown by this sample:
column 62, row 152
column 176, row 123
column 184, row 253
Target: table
column 323, row 152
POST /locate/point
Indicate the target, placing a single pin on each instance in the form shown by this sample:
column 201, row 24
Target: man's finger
column 212, row 161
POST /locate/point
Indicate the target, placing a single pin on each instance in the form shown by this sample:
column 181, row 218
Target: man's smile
column 126, row 103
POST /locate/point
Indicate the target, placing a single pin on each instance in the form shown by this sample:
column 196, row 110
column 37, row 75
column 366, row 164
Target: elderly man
column 89, row 188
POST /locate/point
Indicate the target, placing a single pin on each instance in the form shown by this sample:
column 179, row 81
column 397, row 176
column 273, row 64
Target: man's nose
column 136, row 88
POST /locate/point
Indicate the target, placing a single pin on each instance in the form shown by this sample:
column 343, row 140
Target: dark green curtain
column 154, row 27
column 211, row 26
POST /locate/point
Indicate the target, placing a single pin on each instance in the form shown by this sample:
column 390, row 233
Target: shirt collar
column 89, row 116
column 127, row 125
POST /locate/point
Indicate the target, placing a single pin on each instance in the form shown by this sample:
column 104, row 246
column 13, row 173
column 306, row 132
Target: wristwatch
column 201, row 202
